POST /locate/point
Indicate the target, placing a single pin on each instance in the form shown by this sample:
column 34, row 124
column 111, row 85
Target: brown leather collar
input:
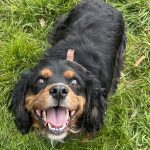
column 70, row 55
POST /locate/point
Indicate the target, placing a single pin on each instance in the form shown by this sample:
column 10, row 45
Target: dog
column 67, row 91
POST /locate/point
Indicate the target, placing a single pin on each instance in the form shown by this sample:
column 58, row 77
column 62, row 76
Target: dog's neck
column 70, row 57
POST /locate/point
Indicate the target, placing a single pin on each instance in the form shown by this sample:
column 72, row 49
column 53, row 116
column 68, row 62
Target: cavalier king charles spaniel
column 67, row 91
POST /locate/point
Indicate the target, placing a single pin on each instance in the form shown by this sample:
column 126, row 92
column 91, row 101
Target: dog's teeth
column 60, row 129
column 72, row 112
column 38, row 112
column 44, row 115
column 56, row 129
column 67, row 111
column 49, row 126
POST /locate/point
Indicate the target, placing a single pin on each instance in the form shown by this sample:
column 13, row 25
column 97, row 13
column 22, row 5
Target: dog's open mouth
column 55, row 119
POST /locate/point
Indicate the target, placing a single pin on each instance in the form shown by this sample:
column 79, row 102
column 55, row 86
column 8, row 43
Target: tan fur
column 69, row 74
column 36, row 124
column 46, row 72
column 39, row 101
column 77, row 103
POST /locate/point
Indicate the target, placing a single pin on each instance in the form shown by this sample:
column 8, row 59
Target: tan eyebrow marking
column 69, row 74
column 46, row 72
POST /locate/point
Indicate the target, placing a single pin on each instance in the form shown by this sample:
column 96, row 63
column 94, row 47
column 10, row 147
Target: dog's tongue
column 56, row 116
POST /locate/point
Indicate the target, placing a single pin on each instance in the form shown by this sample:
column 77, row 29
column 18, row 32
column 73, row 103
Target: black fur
column 22, row 118
column 95, row 30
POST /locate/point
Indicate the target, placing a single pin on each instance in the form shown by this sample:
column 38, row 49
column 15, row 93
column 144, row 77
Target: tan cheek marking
column 80, row 110
column 29, row 101
column 75, row 100
column 46, row 72
column 69, row 74
column 81, row 105
column 39, row 101
column 77, row 103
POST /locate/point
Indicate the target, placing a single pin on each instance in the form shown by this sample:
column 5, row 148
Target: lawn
column 24, row 25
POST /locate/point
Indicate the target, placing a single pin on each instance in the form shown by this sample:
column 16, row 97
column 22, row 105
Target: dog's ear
column 95, row 106
column 17, row 107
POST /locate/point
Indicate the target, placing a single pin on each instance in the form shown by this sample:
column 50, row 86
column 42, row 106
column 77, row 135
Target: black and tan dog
column 66, row 91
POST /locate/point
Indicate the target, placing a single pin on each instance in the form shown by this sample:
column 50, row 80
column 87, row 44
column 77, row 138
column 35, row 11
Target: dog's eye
column 74, row 82
column 40, row 81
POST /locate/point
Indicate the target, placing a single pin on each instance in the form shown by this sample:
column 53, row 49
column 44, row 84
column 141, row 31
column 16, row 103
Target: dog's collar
column 70, row 55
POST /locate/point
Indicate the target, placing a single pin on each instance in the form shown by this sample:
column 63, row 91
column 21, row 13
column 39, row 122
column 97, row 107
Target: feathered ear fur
column 22, row 118
column 96, row 106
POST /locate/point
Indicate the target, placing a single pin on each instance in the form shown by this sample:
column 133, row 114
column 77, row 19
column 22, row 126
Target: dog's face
column 55, row 97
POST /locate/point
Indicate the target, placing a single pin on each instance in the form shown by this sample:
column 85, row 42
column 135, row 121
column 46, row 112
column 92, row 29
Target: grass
column 23, row 40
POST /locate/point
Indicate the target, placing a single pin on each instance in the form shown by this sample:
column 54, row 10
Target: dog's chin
column 56, row 122
column 59, row 138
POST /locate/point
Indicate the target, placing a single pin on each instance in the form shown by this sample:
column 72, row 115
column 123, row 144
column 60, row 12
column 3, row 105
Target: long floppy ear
column 22, row 118
column 95, row 106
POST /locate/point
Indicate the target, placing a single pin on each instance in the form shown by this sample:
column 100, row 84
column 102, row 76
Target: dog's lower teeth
column 56, row 129
column 72, row 112
column 49, row 126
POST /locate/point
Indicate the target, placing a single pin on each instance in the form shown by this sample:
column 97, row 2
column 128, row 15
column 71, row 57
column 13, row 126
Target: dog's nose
column 59, row 91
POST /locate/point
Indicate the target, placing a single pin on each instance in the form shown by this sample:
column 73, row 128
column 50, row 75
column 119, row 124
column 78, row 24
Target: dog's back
column 96, row 31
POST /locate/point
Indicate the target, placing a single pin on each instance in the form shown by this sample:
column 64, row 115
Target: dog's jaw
column 59, row 138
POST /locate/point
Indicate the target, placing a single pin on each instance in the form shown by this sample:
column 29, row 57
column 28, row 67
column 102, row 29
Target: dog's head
column 58, row 97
